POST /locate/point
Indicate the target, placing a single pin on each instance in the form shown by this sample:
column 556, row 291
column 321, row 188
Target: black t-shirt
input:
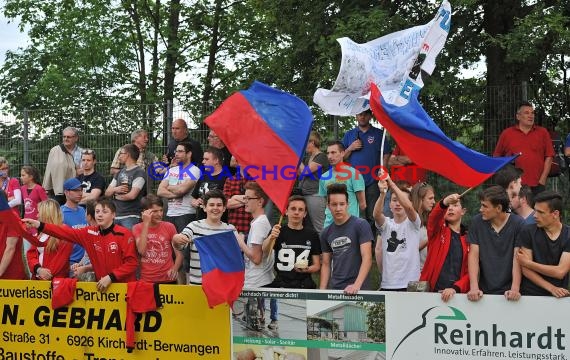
column 451, row 269
column 92, row 181
column 544, row 251
column 290, row 247
column 496, row 251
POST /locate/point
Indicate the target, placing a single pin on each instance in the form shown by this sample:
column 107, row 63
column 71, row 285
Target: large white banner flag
column 392, row 61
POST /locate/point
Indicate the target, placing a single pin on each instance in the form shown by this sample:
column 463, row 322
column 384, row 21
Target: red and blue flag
column 266, row 129
column 427, row 146
column 223, row 269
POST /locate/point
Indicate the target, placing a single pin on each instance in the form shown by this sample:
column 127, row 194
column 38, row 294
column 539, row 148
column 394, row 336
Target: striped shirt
column 195, row 230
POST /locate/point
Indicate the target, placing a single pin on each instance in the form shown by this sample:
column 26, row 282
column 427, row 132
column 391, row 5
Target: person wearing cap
column 74, row 215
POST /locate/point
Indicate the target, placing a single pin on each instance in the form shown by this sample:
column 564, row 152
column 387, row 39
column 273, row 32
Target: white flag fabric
column 393, row 62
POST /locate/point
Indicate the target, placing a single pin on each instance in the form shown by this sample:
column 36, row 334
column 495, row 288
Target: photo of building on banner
column 312, row 325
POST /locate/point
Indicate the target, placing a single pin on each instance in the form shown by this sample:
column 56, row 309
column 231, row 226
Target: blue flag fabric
column 223, row 268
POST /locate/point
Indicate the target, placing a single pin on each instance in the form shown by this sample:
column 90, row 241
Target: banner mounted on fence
column 93, row 326
column 421, row 326
column 324, row 325
column 314, row 325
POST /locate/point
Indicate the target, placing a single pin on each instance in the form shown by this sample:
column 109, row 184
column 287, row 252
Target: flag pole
column 466, row 191
column 473, row 187
column 382, row 146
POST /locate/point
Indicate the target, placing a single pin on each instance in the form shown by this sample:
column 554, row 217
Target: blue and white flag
column 393, row 62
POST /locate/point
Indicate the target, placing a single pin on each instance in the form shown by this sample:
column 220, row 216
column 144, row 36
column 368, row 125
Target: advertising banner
column 421, row 327
column 93, row 325
column 315, row 325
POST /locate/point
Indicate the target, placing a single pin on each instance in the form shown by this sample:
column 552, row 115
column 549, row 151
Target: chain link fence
column 26, row 136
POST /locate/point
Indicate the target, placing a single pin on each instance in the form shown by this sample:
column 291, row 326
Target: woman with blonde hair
column 49, row 257
column 423, row 200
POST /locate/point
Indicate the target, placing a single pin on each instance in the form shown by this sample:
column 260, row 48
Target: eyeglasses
column 68, row 136
column 246, row 198
column 88, row 152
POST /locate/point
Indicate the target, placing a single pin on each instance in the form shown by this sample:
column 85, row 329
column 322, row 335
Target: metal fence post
column 26, row 139
column 168, row 123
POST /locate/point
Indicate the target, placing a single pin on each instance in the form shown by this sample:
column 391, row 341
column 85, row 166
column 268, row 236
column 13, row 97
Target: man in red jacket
column 110, row 247
column 446, row 264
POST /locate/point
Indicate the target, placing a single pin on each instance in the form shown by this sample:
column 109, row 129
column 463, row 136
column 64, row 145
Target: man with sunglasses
column 93, row 182
column 64, row 162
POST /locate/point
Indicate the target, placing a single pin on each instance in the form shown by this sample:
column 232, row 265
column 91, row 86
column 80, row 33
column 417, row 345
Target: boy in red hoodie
column 446, row 264
column 110, row 247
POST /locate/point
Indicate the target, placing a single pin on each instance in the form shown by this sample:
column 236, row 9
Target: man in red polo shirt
column 534, row 144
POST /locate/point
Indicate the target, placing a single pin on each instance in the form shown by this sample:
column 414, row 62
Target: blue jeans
column 273, row 308
column 128, row 222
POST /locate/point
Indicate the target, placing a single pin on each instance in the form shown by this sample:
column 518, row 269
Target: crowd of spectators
column 339, row 221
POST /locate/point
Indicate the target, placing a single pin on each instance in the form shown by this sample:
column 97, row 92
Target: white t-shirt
column 182, row 205
column 400, row 254
column 262, row 274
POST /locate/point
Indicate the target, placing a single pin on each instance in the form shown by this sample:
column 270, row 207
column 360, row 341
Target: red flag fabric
column 266, row 129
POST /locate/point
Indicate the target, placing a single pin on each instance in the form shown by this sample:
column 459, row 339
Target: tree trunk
column 209, row 78
column 507, row 79
column 172, row 57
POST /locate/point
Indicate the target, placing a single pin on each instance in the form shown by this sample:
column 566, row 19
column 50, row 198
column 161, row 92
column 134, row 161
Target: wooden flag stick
column 466, row 191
